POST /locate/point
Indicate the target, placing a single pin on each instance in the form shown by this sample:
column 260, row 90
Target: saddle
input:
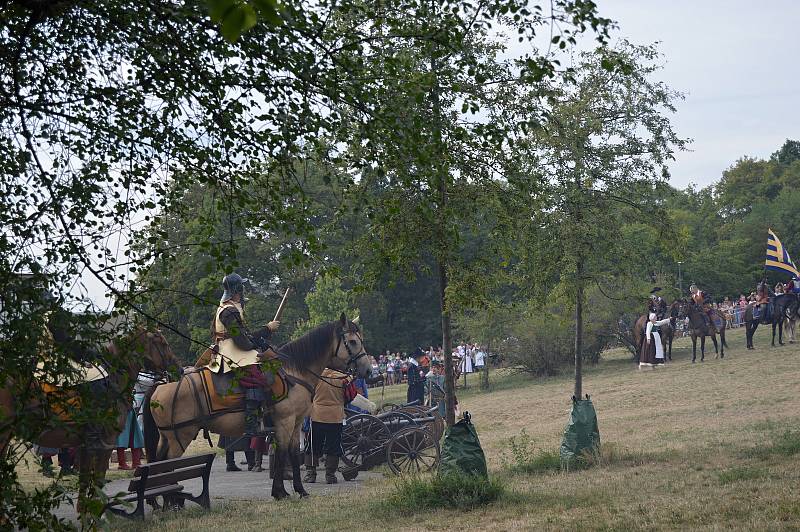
column 65, row 400
column 223, row 394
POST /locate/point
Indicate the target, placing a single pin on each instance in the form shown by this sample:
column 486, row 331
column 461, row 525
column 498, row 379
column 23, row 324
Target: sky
column 735, row 60
column 738, row 63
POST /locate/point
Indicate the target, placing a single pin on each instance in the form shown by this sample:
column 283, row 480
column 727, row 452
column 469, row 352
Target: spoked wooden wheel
column 412, row 450
column 396, row 421
column 362, row 436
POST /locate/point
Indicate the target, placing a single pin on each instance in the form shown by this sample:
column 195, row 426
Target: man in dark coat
column 416, row 379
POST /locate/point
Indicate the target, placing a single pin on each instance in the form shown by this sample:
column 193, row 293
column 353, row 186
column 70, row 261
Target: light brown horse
column 179, row 411
column 64, row 421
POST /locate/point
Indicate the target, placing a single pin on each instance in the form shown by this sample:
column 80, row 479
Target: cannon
column 407, row 439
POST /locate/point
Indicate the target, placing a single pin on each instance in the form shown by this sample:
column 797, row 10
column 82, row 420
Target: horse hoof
column 303, row 494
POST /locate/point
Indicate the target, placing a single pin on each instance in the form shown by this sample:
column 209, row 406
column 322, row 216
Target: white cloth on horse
column 656, row 335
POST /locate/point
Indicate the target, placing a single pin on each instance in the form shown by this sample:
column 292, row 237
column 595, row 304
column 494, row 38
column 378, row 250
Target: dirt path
column 237, row 486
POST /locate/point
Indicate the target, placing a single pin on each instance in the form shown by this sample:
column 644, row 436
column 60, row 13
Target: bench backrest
column 171, row 471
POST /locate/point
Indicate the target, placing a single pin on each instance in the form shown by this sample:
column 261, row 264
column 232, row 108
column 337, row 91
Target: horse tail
column 151, row 433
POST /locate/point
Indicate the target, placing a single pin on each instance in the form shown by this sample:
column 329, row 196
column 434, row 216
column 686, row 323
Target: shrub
column 457, row 491
column 523, row 456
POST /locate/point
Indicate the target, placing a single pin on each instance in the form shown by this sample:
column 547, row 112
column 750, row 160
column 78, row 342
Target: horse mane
column 301, row 353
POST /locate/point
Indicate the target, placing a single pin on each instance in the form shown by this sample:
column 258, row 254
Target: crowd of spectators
column 394, row 365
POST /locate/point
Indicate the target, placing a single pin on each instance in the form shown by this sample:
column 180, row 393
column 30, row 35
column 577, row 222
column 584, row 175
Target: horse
column 176, row 412
column 698, row 328
column 67, row 424
column 666, row 335
column 783, row 307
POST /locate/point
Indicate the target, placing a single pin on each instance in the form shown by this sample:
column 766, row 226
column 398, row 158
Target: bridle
column 155, row 343
column 353, row 358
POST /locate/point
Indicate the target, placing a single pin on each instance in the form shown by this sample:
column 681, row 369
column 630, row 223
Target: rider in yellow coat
column 237, row 348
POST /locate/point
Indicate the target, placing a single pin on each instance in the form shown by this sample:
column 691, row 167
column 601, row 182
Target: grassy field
column 688, row 446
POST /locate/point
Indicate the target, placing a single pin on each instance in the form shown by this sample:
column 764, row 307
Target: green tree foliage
column 325, row 303
column 585, row 170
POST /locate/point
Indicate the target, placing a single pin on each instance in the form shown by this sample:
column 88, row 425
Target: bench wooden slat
column 161, row 479
column 172, row 464
column 170, row 477
column 163, row 490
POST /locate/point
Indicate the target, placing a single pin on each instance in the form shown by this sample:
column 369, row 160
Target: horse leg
column 283, row 439
column 702, row 348
column 670, row 346
column 694, row 348
column 294, row 458
column 278, row 490
column 716, row 348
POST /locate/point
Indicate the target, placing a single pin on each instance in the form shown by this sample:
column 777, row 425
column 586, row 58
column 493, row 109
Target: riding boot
column 251, row 418
column 331, row 464
column 259, row 463
column 136, row 458
column 121, row 459
column 230, row 462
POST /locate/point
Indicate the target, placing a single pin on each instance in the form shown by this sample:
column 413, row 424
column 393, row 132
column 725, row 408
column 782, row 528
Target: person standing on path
column 416, row 379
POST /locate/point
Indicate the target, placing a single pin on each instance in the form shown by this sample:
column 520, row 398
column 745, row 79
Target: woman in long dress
column 652, row 354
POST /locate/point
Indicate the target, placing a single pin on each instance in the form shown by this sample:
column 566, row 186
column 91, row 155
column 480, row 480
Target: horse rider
column 699, row 298
column 657, row 303
column 89, row 369
column 237, row 349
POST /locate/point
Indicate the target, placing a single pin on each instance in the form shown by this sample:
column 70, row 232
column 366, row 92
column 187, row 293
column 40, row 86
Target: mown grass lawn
column 688, row 446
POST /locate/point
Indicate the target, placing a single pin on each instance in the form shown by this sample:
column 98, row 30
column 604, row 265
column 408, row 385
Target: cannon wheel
column 362, row 435
column 395, row 421
column 412, row 450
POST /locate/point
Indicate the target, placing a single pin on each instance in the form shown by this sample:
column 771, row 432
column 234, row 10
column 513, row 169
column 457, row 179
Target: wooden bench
column 160, row 479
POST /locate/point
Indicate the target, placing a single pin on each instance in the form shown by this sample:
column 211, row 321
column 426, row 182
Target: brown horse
column 667, row 333
column 64, row 423
column 178, row 411
column 699, row 329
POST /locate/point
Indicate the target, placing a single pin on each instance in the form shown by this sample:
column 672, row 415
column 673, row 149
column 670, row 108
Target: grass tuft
column 738, row 474
column 462, row 492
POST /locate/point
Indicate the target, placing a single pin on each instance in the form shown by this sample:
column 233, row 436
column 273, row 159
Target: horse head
column 679, row 308
column 351, row 353
column 158, row 355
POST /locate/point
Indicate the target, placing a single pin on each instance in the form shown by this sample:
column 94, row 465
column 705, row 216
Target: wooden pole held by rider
column 283, row 303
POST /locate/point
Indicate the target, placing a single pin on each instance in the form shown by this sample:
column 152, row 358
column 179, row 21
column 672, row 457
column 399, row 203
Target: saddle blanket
column 223, row 393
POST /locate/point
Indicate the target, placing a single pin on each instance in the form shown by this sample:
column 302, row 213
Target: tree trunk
column 485, row 371
column 579, row 331
column 447, row 345
column 442, row 246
